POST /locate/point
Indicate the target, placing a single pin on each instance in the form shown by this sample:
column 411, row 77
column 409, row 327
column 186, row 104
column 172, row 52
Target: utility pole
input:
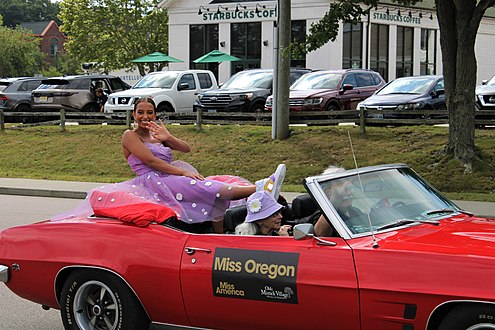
column 283, row 70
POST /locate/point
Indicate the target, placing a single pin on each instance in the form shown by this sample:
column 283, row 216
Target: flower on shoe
column 254, row 205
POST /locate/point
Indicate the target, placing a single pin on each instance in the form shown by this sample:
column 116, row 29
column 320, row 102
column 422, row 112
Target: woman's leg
column 217, row 226
column 232, row 192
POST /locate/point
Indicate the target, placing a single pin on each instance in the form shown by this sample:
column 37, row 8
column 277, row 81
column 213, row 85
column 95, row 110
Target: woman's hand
column 159, row 131
column 193, row 175
column 284, row 230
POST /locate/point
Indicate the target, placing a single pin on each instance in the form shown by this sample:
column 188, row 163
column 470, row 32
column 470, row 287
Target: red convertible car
column 404, row 257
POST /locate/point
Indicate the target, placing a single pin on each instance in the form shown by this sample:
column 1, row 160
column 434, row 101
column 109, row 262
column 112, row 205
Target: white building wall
column 185, row 12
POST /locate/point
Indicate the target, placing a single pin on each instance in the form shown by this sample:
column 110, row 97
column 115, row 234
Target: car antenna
column 375, row 243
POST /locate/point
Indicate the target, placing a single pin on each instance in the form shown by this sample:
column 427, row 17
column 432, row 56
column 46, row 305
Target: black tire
column 23, row 108
column 82, row 309
column 90, row 108
column 162, row 110
column 257, row 108
column 477, row 317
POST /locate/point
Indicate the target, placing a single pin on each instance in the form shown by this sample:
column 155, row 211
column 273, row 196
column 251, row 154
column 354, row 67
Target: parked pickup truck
column 172, row 91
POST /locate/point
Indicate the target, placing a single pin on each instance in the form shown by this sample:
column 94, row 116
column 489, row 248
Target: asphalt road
column 17, row 313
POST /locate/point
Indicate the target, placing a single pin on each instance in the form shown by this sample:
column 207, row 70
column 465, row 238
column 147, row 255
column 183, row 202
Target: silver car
column 485, row 95
column 15, row 93
column 74, row 93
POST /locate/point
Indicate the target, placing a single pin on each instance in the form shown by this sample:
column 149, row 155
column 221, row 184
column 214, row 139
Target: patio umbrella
column 156, row 57
column 215, row 56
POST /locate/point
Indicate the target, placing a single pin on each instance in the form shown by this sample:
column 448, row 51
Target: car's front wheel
column 99, row 300
column 479, row 317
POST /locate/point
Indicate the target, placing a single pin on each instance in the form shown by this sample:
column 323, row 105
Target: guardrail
column 362, row 118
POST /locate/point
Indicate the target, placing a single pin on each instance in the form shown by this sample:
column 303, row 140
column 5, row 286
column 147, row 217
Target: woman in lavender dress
column 194, row 198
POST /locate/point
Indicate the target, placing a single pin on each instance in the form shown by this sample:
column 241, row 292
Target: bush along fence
column 362, row 118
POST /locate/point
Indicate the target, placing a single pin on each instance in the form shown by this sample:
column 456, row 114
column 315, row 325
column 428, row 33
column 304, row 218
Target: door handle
column 191, row 250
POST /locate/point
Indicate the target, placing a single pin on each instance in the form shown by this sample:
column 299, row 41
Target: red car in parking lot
column 408, row 258
column 331, row 90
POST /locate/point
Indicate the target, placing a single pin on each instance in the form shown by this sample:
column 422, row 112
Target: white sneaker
column 273, row 184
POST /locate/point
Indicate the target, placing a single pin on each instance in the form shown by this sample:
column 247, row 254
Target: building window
column 405, row 46
column 352, row 53
column 428, row 59
column 203, row 38
column 245, row 40
column 53, row 47
column 298, row 34
column 379, row 49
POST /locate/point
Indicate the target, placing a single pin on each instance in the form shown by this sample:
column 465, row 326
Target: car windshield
column 407, row 86
column 317, row 81
column 385, row 198
column 162, row 80
column 249, row 79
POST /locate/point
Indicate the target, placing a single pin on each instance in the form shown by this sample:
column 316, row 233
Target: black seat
column 304, row 209
column 233, row 217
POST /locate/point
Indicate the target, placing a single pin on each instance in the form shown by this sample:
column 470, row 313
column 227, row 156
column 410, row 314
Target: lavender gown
column 194, row 201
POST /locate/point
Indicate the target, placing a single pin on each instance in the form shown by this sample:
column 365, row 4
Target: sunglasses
column 279, row 212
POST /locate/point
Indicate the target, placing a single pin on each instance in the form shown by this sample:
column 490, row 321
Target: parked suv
column 331, row 90
column 15, row 93
column 246, row 91
column 485, row 95
column 74, row 93
column 172, row 91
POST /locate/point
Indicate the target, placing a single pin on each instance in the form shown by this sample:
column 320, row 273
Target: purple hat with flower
column 261, row 205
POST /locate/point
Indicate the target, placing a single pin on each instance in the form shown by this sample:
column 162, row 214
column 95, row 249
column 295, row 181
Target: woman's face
column 144, row 113
column 273, row 222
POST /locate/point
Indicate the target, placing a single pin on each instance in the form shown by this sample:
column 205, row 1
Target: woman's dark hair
column 144, row 99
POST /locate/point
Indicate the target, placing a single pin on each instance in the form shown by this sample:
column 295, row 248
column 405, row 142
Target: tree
column 17, row 11
column 458, row 21
column 114, row 32
column 20, row 54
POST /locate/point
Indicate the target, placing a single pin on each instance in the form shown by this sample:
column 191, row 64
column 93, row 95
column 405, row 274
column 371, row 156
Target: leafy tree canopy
column 18, row 11
column 20, row 54
column 113, row 32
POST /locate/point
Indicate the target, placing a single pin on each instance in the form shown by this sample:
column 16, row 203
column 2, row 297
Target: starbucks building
column 392, row 40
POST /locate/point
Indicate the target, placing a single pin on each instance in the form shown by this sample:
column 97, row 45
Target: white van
column 172, row 91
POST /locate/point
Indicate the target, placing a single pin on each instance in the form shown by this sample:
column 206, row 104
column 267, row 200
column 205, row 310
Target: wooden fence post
column 128, row 118
column 62, row 119
column 199, row 119
column 2, row 121
column 362, row 121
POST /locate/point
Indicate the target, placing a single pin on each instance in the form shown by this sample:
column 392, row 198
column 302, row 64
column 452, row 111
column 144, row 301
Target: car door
column 438, row 96
column 366, row 85
column 187, row 92
column 350, row 98
column 266, row 282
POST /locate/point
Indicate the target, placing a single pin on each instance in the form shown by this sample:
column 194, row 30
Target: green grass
column 93, row 154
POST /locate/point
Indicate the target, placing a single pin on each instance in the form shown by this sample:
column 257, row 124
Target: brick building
column 52, row 40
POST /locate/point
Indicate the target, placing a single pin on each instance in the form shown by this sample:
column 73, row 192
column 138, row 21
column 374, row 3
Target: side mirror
column 437, row 93
column 183, row 86
column 303, row 231
column 484, row 82
column 346, row 87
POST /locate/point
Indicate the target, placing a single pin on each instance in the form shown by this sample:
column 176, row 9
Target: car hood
column 457, row 235
column 485, row 90
column 139, row 92
column 392, row 99
column 301, row 94
column 235, row 91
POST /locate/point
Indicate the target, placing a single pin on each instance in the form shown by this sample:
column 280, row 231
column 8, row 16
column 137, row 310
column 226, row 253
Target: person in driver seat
column 340, row 195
